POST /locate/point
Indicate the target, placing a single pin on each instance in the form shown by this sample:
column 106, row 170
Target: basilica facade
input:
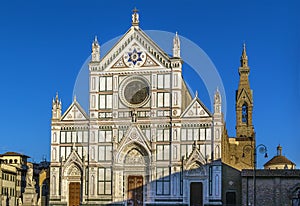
column 145, row 139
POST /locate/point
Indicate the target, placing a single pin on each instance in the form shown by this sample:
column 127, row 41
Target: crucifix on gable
column 75, row 110
column 197, row 108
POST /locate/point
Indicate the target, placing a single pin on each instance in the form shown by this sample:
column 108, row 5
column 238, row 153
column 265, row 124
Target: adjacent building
column 279, row 161
column 12, row 177
column 276, row 187
column 278, row 184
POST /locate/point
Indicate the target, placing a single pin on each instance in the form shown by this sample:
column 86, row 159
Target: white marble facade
column 144, row 132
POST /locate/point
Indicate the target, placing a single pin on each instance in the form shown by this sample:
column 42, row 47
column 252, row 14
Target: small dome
column 279, row 161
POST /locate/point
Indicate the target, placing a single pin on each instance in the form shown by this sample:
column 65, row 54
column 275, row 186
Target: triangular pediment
column 196, row 109
column 134, row 135
column 73, row 158
column 135, row 50
column 74, row 113
column 243, row 96
column 196, row 157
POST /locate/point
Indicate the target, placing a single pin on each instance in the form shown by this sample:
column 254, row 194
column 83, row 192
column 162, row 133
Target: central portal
column 135, row 191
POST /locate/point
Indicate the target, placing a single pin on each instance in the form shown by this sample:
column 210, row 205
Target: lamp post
column 262, row 149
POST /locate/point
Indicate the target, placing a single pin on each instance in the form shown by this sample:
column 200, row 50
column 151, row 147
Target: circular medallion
column 134, row 91
column 135, row 57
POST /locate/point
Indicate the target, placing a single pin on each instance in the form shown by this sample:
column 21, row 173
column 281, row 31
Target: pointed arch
column 136, row 149
column 245, row 113
column 134, row 156
column 195, row 169
column 73, row 170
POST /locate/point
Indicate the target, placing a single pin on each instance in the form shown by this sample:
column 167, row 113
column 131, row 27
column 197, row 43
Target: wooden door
column 74, row 194
column 196, row 194
column 135, row 191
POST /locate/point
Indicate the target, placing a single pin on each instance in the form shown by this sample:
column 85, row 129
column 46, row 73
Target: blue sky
column 44, row 44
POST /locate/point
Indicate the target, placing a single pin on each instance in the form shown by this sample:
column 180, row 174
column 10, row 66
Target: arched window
column 245, row 113
column 54, row 154
column 92, row 185
column 54, row 137
column 217, row 152
column 53, row 185
column 93, row 153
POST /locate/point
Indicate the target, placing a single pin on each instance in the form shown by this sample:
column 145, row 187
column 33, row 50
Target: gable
column 134, row 135
column 244, row 96
column 73, row 158
column 195, row 157
column 74, row 113
column 196, row 109
column 134, row 50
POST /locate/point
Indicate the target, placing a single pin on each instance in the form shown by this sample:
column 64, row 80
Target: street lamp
column 262, row 149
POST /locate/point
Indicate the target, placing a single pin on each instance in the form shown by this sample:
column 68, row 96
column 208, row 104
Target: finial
column 74, row 99
column 135, row 17
column 244, row 58
column 196, row 93
column 73, row 147
column 244, row 50
column 176, row 46
column 56, row 96
column 279, row 150
column 95, row 50
column 95, row 43
column 195, row 144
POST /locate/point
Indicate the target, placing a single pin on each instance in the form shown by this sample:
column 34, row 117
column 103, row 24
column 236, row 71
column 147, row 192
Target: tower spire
column 244, row 57
column 176, row 46
column 56, row 107
column 95, row 50
column 135, row 17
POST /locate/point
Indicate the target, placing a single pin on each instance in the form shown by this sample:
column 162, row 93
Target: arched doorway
column 135, row 173
column 74, row 185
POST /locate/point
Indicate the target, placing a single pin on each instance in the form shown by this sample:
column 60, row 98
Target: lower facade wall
column 273, row 187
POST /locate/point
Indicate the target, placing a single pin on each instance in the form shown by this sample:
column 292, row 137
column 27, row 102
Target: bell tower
column 244, row 102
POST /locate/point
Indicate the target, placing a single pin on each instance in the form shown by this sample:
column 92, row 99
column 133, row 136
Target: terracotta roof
column 13, row 154
column 279, row 159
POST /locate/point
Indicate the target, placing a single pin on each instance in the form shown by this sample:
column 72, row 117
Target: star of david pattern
column 134, row 57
